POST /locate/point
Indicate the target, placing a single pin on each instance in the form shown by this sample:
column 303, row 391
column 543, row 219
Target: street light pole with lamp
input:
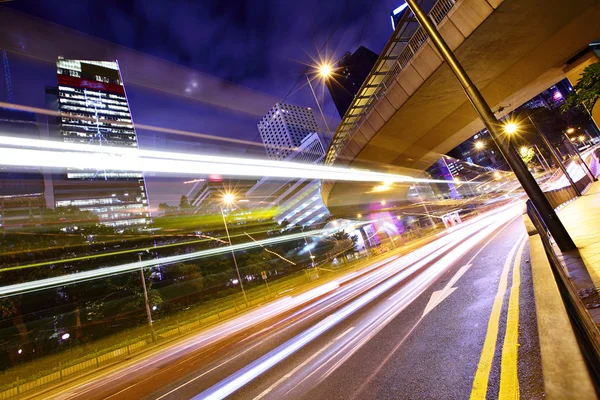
column 571, row 130
column 148, row 312
column 228, row 199
column 534, row 192
column 325, row 71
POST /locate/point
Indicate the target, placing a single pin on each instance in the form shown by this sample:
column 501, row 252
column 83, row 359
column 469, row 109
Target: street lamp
column 325, row 71
column 539, row 201
column 511, row 128
column 570, row 130
column 148, row 312
column 524, row 151
column 228, row 199
column 479, row 145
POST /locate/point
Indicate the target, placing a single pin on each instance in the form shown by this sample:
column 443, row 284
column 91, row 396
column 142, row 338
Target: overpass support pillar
column 574, row 71
column 539, row 200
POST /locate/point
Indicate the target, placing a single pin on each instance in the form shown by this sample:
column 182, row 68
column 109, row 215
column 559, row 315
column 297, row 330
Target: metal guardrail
column 393, row 64
column 585, row 329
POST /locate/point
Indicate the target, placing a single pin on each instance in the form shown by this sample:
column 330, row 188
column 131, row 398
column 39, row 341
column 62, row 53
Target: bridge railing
column 438, row 12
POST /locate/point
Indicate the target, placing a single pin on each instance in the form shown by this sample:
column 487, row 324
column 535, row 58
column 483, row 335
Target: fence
column 66, row 371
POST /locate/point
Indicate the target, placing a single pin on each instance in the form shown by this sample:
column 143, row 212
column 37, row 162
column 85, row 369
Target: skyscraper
column 94, row 110
column 284, row 128
column 352, row 70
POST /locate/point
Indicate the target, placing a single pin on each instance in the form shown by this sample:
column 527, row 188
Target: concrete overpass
column 411, row 109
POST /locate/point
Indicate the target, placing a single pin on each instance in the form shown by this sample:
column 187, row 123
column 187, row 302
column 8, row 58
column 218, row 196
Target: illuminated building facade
column 94, row 110
column 284, row 128
column 297, row 201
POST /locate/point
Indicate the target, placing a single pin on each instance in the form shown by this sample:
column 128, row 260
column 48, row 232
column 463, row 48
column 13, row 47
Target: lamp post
column 148, row 312
column 541, row 203
column 555, row 155
column 579, row 155
column 547, row 166
column 228, row 199
column 324, row 71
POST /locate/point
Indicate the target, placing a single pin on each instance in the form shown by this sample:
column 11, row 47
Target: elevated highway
column 411, row 110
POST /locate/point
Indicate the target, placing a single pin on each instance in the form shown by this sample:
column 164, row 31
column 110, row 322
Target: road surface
column 434, row 323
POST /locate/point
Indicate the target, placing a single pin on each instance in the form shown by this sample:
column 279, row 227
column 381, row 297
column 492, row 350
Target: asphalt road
column 373, row 335
column 431, row 356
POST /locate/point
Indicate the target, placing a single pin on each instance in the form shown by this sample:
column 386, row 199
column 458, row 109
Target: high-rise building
column 94, row 110
column 284, row 128
column 352, row 70
column 298, row 201
column 290, row 134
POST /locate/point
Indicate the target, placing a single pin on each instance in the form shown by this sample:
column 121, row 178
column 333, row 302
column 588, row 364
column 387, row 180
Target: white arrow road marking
column 440, row 295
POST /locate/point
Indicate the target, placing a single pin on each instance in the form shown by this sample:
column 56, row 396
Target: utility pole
column 148, row 312
column 547, row 213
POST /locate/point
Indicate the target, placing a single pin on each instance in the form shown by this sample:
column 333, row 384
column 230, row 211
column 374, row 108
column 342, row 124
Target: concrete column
column 574, row 71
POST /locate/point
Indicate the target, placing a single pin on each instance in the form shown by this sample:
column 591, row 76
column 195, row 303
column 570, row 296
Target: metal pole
column 148, row 312
column 547, row 166
column 539, row 159
column 233, row 255
column 312, row 259
column 317, row 101
column 425, row 207
column 581, row 158
column 556, row 228
column 555, row 155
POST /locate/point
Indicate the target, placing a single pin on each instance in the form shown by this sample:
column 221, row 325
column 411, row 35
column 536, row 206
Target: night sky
column 263, row 45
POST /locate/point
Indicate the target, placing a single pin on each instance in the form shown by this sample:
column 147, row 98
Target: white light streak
column 23, row 152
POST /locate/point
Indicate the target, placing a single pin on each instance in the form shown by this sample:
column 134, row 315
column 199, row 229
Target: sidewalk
column 563, row 360
column 581, row 218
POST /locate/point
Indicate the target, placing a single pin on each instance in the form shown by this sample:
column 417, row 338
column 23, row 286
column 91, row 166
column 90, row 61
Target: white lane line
column 292, row 372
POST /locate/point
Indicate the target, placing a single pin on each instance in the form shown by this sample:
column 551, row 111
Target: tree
column 166, row 209
column 344, row 243
column 587, row 91
column 188, row 278
column 184, row 204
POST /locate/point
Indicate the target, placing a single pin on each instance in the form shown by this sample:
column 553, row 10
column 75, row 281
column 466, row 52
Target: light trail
column 20, row 152
column 10, row 290
column 444, row 249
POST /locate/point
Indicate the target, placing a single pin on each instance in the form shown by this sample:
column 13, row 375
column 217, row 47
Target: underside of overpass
column 512, row 49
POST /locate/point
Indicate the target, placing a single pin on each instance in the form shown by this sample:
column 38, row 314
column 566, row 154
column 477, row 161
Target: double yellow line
column 509, row 379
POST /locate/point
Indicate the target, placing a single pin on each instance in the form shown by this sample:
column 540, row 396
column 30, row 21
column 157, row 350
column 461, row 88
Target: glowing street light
column 479, row 145
column 229, row 198
column 325, row 70
column 581, row 138
column 524, row 151
column 511, row 128
column 570, row 130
